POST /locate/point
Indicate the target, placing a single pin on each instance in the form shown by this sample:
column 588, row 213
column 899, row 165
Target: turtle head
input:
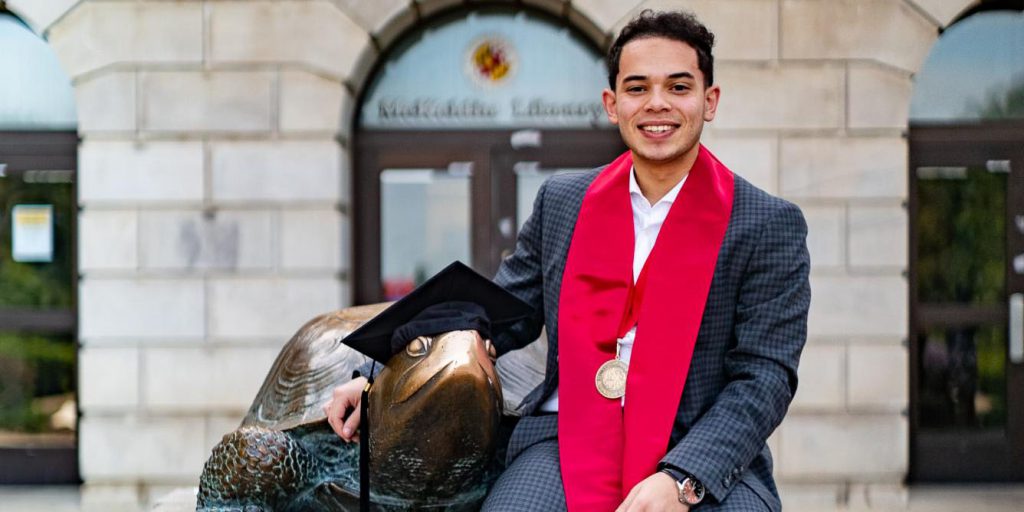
column 434, row 412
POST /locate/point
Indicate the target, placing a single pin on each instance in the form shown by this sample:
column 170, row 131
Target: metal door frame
column 951, row 456
column 27, row 151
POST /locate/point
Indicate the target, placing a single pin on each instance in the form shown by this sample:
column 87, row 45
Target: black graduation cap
column 454, row 298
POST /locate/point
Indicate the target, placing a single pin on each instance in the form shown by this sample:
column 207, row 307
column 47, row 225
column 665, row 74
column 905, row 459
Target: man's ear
column 711, row 97
column 608, row 99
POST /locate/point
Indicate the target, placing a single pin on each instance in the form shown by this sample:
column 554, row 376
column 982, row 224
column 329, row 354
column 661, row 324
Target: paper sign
column 32, row 233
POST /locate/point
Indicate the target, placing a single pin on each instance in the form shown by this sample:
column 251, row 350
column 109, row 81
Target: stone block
column 268, row 308
column 431, row 7
column 384, row 19
column 108, row 378
column 811, row 497
column 552, row 6
column 196, row 240
column 824, row 448
column 943, row 11
column 189, row 101
column 98, row 34
column 40, row 13
column 753, row 158
column 313, row 239
column 310, row 103
column 110, row 497
column 590, row 27
column 880, row 30
column 141, row 308
column 217, row 379
column 126, row 172
column 861, row 167
column 844, row 306
column 744, row 29
column 791, row 96
column 876, row 497
column 879, row 236
column 348, row 119
column 826, row 235
column 605, row 14
column 169, row 498
column 314, row 33
column 130, row 448
column 106, row 103
column 219, row 424
column 822, row 379
column 107, row 239
column 877, row 97
column 301, row 171
column 878, row 376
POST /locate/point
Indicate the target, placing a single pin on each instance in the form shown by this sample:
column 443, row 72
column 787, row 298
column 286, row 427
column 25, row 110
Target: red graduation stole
column 605, row 448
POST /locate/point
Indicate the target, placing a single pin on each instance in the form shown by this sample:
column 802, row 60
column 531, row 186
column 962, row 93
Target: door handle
column 1017, row 328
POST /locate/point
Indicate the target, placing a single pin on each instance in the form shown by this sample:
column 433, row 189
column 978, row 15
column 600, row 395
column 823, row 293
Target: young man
column 667, row 262
column 675, row 297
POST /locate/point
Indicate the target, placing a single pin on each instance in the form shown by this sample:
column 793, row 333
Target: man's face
column 660, row 103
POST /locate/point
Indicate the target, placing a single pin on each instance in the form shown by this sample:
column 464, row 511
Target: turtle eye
column 418, row 346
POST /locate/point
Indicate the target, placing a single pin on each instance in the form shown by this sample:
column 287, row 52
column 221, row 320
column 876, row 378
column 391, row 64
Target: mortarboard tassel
column 364, row 445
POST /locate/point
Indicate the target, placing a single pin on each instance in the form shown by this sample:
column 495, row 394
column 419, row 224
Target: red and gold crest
column 491, row 60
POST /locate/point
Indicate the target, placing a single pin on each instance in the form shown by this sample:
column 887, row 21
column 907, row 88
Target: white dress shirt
column 647, row 221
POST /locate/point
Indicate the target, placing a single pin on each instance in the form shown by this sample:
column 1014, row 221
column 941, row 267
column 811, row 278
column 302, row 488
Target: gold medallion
column 611, row 379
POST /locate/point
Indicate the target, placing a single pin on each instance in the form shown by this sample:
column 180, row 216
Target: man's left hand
column 657, row 492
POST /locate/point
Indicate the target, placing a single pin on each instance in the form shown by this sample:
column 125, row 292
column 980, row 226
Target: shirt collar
column 669, row 197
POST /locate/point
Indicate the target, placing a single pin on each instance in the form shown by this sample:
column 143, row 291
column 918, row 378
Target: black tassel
column 364, row 447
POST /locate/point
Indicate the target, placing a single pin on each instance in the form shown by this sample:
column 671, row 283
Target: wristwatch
column 691, row 491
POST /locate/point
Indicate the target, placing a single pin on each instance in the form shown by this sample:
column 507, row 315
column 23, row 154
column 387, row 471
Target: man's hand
column 346, row 396
column 655, row 493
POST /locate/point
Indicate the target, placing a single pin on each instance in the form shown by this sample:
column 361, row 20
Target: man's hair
column 676, row 25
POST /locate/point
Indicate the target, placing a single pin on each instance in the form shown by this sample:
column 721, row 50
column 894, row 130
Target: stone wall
column 214, row 180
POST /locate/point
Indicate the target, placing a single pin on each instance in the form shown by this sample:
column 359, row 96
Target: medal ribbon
column 636, row 298
column 605, row 449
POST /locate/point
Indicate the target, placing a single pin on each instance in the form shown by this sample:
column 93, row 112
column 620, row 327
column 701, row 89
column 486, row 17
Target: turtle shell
column 308, row 369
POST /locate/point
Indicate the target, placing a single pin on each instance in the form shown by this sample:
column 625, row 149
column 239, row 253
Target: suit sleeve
column 761, row 369
column 522, row 275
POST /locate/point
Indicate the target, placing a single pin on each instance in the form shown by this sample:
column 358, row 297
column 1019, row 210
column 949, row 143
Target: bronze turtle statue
column 434, row 412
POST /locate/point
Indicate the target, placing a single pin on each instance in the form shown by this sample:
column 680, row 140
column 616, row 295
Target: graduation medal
column 611, row 379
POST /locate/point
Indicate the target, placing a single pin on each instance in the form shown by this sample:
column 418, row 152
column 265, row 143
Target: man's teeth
column 657, row 129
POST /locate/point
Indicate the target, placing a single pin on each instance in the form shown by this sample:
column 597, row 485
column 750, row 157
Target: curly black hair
column 676, row 25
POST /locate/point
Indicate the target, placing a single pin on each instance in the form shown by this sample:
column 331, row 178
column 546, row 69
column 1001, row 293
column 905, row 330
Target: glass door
column 425, row 198
column 967, row 303
column 38, row 412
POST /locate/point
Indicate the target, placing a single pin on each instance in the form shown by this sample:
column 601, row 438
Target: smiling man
column 675, row 297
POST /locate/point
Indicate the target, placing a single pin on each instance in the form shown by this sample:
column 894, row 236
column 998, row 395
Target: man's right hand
column 346, row 396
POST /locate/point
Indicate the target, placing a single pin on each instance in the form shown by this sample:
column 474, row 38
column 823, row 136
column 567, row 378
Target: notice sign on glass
column 32, row 233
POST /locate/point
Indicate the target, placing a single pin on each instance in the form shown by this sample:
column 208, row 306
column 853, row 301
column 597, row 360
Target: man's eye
column 635, row 88
column 680, row 88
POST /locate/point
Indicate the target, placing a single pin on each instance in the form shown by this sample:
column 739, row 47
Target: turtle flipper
column 256, row 469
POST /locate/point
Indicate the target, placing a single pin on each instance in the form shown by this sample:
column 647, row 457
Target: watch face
column 691, row 491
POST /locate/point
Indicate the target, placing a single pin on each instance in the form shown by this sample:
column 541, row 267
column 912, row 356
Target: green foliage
column 31, row 367
column 961, row 230
column 1003, row 104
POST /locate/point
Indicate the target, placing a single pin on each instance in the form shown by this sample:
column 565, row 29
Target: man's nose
column 657, row 101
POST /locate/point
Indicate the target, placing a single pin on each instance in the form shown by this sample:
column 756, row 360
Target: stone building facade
column 214, row 192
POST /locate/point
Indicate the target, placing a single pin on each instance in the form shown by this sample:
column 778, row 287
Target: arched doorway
column 38, row 148
column 967, row 252
column 461, row 123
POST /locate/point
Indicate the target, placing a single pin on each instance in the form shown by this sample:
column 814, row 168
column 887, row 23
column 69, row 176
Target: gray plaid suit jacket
column 744, row 369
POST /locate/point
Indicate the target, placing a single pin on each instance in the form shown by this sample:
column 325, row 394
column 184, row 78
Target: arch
column 405, row 22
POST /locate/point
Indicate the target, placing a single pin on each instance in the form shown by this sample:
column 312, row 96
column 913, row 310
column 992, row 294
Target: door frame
column 952, row 456
column 493, row 184
column 27, row 151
